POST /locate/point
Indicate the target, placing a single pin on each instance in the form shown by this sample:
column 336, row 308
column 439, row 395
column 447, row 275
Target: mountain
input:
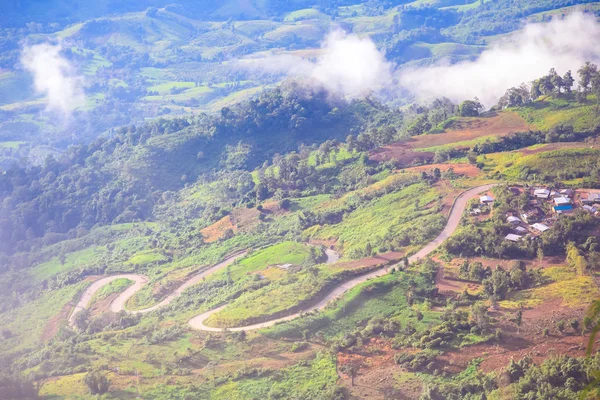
column 199, row 230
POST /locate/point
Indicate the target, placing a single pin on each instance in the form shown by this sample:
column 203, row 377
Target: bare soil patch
column 217, row 230
column 52, row 326
column 464, row 129
column 371, row 261
column 378, row 374
column 468, row 170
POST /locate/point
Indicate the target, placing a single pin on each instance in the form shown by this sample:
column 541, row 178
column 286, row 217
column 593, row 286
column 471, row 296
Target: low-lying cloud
column 346, row 64
column 54, row 77
column 564, row 44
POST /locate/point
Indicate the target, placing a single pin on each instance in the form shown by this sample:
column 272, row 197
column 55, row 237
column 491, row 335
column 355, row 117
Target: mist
column 54, row 77
column 564, row 44
column 346, row 65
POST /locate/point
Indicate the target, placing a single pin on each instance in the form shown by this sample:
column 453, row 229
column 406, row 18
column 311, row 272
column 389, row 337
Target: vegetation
column 194, row 158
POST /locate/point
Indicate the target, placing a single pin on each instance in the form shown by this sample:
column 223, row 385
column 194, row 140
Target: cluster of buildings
column 543, row 206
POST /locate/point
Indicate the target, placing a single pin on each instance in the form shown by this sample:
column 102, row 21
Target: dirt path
column 453, row 220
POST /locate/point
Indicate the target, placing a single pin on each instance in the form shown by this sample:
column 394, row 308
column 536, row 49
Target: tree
column 586, row 72
column 97, row 382
column 556, row 80
column 470, row 108
column 351, row 369
column 568, row 81
column 80, row 320
column 540, row 255
column 519, row 320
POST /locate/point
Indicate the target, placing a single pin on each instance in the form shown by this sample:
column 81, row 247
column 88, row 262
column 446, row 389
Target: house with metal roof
column 512, row 237
column 513, row 220
column 563, row 209
column 561, row 201
column 540, row 227
column 486, row 199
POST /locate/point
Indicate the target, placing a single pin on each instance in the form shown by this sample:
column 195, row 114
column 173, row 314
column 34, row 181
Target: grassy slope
column 550, row 111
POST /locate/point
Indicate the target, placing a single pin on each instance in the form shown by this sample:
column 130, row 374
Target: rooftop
column 513, row 237
column 540, row 227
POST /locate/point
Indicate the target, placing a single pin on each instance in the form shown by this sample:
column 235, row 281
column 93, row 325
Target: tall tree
column 586, row 72
column 568, row 81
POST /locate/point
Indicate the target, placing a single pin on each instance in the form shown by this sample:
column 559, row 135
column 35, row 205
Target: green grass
column 27, row 322
column 146, row 257
column 73, row 260
column 164, row 88
column 282, row 253
column 459, row 145
column 116, row 286
column 11, row 145
column 304, row 381
column 550, row 111
column 307, row 13
column 379, row 297
column 545, row 166
column 390, row 215
column 573, row 290
column 154, row 73
column 193, row 92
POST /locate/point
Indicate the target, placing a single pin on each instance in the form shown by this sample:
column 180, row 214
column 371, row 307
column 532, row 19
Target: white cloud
column 345, row 64
column 564, row 44
column 54, row 77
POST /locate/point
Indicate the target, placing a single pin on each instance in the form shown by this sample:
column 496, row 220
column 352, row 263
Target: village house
column 512, row 237
column 591, row 198
column 513, row 220
column 540, row 227
column 590, row 209
column 561, row 201
column 521, row 230
column 532, row 215
column 541, row 193
column 567, row 192
column 486, row 199
column 563, row 209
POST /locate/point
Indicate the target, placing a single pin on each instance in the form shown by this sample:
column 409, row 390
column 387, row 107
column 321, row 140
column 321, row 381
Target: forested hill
column 120, row 178
column 139, row 60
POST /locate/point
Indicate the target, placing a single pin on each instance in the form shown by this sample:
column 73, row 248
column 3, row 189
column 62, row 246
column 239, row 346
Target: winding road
column 118, row 304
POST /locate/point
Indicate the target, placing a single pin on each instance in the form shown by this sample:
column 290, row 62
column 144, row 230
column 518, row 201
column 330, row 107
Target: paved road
column 118, row 304
column 453, row 220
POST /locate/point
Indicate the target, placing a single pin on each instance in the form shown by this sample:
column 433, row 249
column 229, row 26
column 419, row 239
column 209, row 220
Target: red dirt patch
column 371, row 261
column 217, row 230
column 496, row 124
column 401, row 155
column 52, row 326
column 528, row 341
column 464, row 129
column 376, row 377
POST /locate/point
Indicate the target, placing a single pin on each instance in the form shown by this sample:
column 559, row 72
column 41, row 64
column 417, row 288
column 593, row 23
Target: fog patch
column 54, row 77
column 564, row 44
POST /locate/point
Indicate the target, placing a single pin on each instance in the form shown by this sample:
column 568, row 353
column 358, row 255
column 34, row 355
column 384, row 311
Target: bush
column 97, row 382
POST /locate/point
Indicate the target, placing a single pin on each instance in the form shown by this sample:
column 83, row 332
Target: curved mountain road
column 118, row 304
column 456, row 212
